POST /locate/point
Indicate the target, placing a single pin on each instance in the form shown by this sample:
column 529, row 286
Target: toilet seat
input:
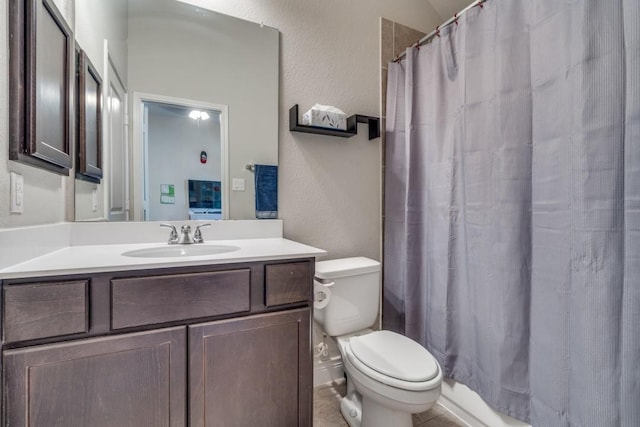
column 393, row 359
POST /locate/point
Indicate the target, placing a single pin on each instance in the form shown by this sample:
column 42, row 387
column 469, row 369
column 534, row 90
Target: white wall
column 97, row 20
column 175, row 144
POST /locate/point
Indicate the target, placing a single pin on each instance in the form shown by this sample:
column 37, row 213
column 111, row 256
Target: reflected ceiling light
column 198, row 115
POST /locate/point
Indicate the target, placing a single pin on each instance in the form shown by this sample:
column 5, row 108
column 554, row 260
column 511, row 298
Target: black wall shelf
column 352, row 126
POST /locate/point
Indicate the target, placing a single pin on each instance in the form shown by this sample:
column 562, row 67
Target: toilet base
column 351, row 409
column 353, row 406
column 376, row 415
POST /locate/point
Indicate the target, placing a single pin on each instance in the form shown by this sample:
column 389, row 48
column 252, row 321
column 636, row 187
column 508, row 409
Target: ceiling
column 447, row 8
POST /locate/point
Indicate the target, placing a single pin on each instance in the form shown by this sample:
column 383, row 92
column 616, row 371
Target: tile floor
column 326, row 410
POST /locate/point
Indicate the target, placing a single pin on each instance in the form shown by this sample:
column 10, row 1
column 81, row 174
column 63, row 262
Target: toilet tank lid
column 344, row 267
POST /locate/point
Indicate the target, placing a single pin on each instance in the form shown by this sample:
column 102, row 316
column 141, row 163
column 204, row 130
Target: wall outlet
column 16, row 193
column 237, row 184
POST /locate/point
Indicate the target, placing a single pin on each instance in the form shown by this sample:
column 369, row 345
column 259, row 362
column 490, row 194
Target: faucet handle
column 197, row 236
column 173, row 236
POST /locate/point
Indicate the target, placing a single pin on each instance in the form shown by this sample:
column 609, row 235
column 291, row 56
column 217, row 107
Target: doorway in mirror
column 181, row 143
column 116, row 147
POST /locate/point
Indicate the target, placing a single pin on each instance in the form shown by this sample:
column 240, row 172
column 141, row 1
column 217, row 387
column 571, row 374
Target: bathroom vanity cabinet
column 185, row 346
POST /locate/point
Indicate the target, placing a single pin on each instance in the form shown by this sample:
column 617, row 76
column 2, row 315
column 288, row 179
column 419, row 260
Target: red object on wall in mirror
column 203, row 157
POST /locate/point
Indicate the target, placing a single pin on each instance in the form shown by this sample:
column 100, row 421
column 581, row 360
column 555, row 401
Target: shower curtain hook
column 438, row 31
column 455, row 18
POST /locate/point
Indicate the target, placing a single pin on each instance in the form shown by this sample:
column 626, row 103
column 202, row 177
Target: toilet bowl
column 395, row 376
column 389, row 376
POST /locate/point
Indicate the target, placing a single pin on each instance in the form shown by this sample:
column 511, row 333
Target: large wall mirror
column 190, row 99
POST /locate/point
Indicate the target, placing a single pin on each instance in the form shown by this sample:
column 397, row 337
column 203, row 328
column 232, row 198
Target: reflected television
column 204, row 194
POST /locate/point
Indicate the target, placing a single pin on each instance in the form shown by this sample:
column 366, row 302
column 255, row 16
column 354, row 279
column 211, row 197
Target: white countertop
column 84, row 259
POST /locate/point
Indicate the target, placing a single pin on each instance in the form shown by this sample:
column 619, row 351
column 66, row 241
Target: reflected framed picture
column 88, row 119
column 40, row 85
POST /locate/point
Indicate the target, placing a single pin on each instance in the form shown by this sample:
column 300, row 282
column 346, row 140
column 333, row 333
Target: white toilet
column 389, row 376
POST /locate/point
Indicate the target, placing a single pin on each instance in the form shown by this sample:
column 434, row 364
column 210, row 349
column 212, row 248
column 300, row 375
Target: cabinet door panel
column 41, row 85
column 252, row 370
column 52, row 87
column 128, row 380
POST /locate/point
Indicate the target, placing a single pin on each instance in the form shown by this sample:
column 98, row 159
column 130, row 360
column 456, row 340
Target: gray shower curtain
column 512, row 207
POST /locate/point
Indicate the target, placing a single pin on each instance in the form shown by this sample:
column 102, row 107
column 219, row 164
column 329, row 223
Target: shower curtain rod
column 436, row 32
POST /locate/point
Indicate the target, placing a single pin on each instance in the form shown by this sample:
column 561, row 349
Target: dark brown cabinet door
column 128, row 380
column 252, row 371
column 88, row 119
column 40, row 85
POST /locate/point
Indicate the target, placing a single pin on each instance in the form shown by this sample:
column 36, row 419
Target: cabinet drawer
column 158, row 299
column 287, row 283
column 41, row 310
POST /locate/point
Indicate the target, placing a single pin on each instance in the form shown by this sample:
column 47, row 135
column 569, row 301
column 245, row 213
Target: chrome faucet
column 173, row 236
column 185, row 234
column 197, row 236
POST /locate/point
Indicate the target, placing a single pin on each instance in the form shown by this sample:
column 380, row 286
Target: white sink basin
column 174, row 251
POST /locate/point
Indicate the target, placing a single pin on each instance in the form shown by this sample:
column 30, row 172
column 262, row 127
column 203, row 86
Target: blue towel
column 266, row 182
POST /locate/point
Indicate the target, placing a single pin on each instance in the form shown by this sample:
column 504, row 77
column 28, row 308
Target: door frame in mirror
column 137, row 172
column 116, row 192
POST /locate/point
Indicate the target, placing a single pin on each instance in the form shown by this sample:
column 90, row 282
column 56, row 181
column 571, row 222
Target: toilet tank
column 354, row 294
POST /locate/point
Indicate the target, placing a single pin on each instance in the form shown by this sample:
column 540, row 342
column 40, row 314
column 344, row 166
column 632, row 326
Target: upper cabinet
column 41, row 81
column 89, row 119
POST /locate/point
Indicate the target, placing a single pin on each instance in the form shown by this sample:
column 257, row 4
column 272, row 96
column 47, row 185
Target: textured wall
column 446, row 8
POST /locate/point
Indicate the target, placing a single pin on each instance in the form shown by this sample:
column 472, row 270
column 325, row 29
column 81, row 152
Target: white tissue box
column 325, row 116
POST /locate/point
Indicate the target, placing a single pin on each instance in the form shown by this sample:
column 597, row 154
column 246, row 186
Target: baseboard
column 469, row 407
column 459, row 412
column 327, row 371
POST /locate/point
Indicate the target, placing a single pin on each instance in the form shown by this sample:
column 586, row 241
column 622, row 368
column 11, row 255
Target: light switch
column 237, row 184
column 94, row 199
column 16, row 182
